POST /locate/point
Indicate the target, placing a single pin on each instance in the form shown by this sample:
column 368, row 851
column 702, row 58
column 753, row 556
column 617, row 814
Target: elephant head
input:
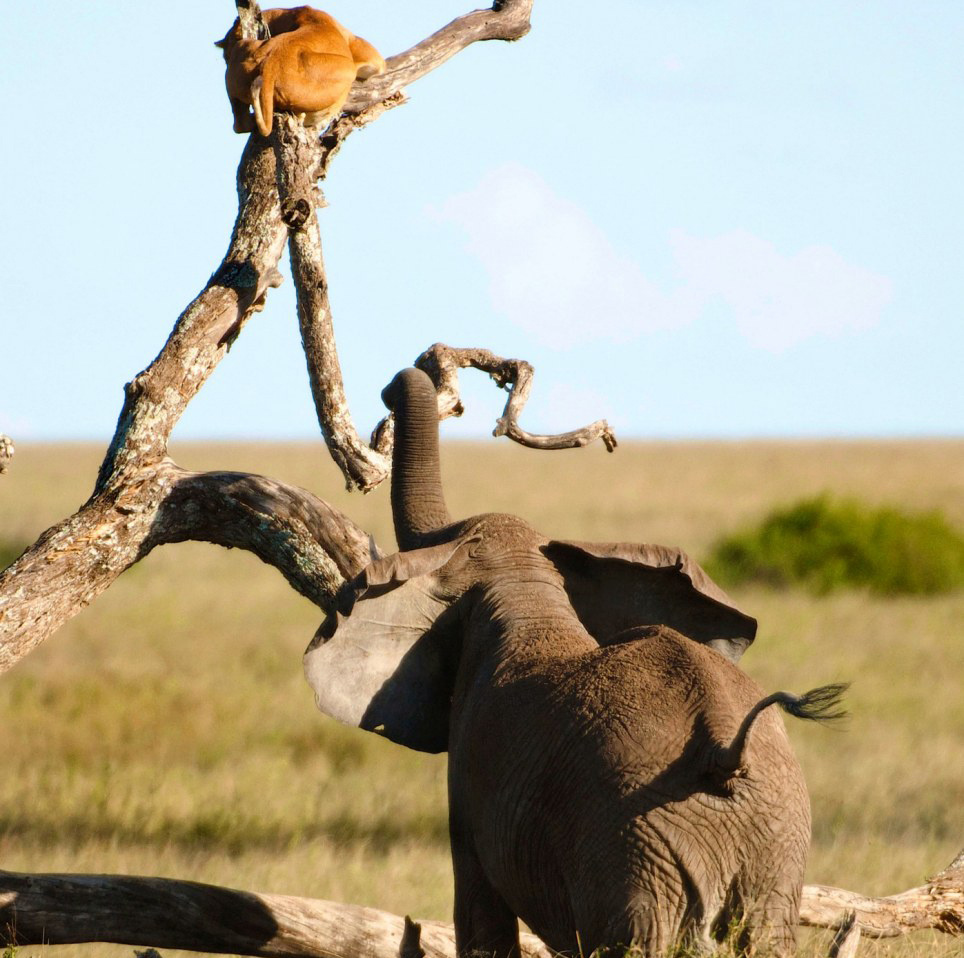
column 387, row 660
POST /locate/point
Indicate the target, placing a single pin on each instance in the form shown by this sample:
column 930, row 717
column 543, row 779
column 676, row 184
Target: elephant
column 614, row 778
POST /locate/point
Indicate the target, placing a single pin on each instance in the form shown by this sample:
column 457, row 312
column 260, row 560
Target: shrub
column 825, row 544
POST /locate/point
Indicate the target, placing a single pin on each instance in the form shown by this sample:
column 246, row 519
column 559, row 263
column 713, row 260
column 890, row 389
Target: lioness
column 307, row 66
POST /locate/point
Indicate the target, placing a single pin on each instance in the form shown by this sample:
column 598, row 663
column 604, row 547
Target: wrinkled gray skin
column 599, row 789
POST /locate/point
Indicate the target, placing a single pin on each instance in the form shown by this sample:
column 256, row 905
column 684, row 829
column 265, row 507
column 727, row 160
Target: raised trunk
column 418, row 506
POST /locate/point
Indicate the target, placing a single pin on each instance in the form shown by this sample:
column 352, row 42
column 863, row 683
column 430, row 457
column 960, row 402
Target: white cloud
column 778, row 301
column 553, row 272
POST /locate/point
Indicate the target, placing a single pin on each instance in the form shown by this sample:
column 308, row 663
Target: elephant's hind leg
column 484, row 924
column 759, row 925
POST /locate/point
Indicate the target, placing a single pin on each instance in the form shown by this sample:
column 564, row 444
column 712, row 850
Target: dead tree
column 142, row 499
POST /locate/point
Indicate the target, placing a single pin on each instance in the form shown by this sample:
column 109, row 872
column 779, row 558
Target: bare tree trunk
column 162, row 913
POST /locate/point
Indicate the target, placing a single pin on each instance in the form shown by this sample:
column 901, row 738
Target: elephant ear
column 386, row 663
column 616, row 587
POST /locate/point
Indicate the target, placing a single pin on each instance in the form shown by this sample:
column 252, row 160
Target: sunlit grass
column 168, row 729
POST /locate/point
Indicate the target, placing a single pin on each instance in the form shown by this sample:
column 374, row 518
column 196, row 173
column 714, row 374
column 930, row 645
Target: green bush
column 825, row 544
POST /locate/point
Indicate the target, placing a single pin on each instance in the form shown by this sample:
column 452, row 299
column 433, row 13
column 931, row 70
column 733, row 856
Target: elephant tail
column 823, row 704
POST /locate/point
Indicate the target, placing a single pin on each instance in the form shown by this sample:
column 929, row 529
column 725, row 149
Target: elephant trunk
column 418, row 506
column 818, row 705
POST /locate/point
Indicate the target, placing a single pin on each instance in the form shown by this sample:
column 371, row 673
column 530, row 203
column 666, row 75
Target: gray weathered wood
column 298, row 159
column 165, row 913
column 312, row 544
column 938, row 905
column 302, row 158
column 442, row 363
column 847, row 939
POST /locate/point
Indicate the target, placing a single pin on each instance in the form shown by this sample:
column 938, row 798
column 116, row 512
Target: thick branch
column 312, row 544
column 163, row 913
column 76, row 560
column 157, row 397
column 302, row 158
column 506, row 20
column 298, row 158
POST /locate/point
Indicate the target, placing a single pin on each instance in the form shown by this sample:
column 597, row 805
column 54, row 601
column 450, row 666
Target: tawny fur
column 307, row 66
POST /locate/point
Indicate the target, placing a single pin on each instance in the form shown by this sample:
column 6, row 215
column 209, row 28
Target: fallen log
column 166, row 913
column 938, row 905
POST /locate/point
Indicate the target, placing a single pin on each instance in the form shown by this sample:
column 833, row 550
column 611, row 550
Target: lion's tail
column 262, row 96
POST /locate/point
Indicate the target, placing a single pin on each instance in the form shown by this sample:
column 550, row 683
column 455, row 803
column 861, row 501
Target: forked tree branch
column 302, row 158
column 162, row 913
column 138, row 491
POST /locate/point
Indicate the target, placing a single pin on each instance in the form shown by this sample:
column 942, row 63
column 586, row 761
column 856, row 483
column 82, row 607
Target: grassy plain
column 168, row 730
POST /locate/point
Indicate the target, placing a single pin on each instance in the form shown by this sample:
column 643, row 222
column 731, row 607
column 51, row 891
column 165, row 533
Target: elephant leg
column 760, row 923
column 776, row 932
column 484, row 924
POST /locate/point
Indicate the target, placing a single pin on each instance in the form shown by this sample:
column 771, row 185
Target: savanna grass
column 168, row 730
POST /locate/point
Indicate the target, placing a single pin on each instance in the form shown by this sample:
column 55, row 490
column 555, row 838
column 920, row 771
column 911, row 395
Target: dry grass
column 167, row 729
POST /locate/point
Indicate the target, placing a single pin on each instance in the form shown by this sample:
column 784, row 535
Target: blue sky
column 714, row 219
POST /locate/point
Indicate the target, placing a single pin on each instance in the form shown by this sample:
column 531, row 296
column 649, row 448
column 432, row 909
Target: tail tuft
column 822, row 704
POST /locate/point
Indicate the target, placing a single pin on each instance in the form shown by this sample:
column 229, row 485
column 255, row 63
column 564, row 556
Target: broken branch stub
column 937, row 905
column 253, row 26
